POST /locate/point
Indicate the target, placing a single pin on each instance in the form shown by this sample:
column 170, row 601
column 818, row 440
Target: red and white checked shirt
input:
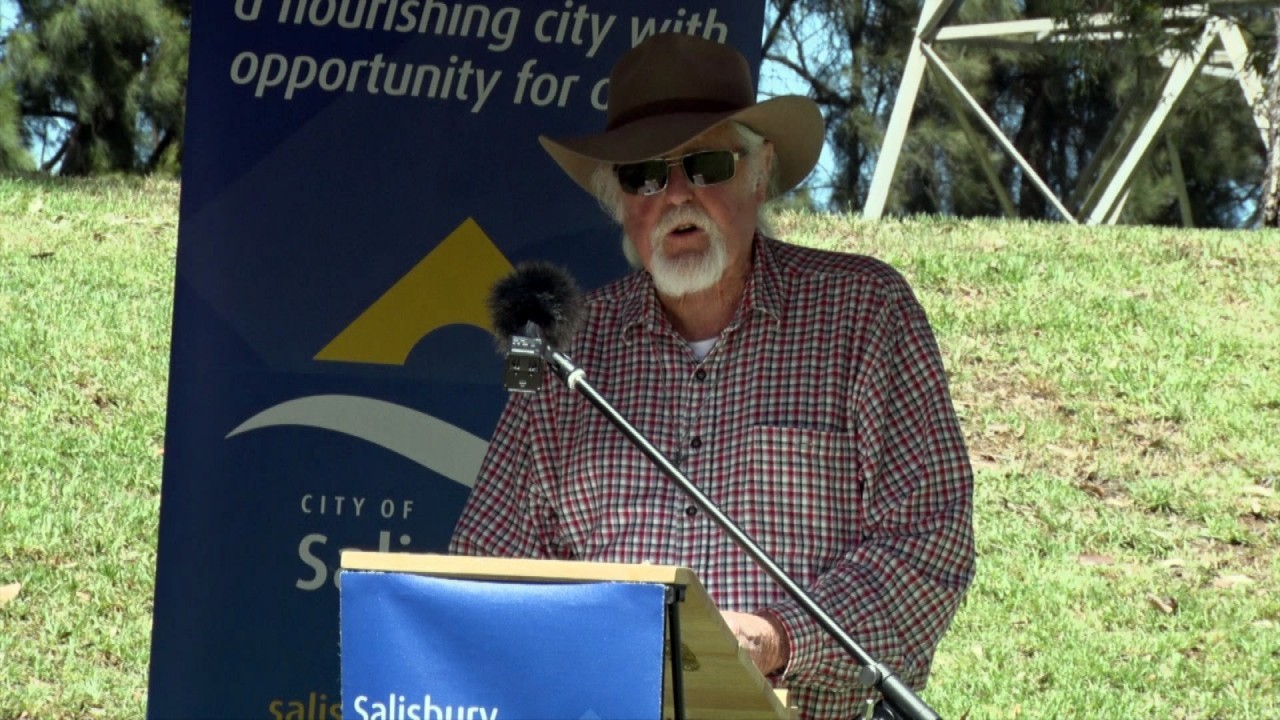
column 820, row 422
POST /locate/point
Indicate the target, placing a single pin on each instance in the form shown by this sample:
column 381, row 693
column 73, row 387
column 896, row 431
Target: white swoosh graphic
column 422, row 438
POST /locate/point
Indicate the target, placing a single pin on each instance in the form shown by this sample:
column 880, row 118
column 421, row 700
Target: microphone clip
column 525, row 361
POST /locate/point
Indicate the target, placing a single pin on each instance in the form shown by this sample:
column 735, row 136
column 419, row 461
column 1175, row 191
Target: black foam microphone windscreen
column 538, row 293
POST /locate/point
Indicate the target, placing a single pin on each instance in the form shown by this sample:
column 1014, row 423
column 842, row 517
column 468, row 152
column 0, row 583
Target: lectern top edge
column 515, row 569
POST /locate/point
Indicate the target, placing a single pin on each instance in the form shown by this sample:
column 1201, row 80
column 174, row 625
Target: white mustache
column 677, row 217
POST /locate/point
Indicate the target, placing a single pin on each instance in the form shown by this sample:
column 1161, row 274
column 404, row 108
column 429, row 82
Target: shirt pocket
column 800, row 494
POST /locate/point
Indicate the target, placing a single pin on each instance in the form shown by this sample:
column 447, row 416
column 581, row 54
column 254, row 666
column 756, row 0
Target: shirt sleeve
column 896, row 591
column 504, row 515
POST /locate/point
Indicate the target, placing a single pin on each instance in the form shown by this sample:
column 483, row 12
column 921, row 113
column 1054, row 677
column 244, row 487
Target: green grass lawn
column 1119, row 388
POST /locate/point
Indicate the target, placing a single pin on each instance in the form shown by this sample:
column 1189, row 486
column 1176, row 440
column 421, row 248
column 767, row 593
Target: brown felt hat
column 673, row 87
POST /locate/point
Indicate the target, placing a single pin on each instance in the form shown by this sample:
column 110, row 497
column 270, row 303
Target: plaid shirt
column 821, row 422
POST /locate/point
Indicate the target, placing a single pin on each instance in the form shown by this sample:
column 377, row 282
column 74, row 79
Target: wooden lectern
column 715, row 678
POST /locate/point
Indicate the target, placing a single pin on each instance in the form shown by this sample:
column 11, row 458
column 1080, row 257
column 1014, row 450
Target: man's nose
column 679, row 189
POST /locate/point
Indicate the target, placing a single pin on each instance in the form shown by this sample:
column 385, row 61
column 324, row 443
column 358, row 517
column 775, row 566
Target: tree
column 1226, row 161
column 103, row 80
column 13, row 156
column 850, row 55
column 1056, row 102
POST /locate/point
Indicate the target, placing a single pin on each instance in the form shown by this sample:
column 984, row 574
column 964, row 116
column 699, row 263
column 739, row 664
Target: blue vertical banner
column 420, row 648
column 356, row 176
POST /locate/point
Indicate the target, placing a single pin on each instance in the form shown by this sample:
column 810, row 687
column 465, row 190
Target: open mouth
column 685, row 229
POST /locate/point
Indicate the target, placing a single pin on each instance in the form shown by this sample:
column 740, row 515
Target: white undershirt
column 702, row 347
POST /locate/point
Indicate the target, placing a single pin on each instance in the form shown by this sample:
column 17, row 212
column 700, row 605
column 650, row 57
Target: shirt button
column 691, row 510
column 695, row 443
column 700, row 375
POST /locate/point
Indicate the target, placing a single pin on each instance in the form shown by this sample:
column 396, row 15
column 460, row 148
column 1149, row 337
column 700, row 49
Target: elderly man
column 801, row 390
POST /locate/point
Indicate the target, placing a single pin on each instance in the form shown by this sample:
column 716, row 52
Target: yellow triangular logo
column 447, row 287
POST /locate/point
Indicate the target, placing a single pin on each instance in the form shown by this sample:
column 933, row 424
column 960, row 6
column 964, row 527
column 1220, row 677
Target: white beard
column 691, row 272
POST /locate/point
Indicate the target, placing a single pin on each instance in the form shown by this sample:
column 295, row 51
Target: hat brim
column 791, row 122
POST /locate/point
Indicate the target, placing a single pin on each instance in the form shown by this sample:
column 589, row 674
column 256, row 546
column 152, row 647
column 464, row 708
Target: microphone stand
column 899, row 696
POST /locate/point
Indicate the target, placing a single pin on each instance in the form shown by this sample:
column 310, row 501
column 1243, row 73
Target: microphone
column 536, row 311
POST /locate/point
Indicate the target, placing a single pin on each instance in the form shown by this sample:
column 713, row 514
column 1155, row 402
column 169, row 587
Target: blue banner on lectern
column 356, row 175
column 420, row 648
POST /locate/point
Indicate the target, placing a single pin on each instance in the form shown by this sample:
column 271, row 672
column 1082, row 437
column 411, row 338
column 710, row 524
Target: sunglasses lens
column 642, row 178
column 709, row 168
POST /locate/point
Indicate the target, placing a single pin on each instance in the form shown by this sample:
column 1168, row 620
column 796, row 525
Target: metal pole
column 895, row 691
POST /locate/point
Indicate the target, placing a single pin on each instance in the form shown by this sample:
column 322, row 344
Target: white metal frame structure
column 1104, row 184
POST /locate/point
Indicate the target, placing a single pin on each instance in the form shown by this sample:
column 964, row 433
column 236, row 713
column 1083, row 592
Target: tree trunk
column 1271, row 184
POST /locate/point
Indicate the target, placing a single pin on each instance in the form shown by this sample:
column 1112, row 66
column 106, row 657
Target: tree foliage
column 100, row 86
column 102, row 80
column 1218, row 147
column 1056, row 102
column 850, row 55
column 13, row 156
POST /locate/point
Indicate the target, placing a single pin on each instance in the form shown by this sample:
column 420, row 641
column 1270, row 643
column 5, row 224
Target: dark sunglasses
column 703, row 168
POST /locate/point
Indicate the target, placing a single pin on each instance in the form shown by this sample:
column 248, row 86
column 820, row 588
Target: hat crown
column 674, row 73
column 671, row 88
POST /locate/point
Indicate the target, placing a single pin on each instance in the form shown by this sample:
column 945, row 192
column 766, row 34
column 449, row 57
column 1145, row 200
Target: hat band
column 670, row 107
